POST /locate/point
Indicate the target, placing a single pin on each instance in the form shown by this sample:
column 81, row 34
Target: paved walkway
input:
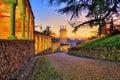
column 76, row 68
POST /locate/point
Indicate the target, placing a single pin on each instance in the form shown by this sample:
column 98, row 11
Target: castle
column 63, row 35
column 63, row 39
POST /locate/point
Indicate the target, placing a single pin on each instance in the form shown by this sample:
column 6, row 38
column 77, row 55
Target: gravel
column 76, row 68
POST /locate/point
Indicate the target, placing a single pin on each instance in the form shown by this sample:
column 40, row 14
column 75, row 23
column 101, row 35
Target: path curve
column 76, row 68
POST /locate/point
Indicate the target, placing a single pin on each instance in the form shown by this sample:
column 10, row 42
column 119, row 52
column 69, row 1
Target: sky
column 46, row 15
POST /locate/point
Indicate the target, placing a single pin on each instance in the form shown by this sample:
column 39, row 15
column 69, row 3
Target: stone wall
column 55, row 46
column 106, row 53
column 45, row 52
column 13, row 55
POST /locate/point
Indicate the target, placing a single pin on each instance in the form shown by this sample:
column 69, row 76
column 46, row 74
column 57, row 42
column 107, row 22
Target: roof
column 64, row 45
column 55, row 40
column 40, row 33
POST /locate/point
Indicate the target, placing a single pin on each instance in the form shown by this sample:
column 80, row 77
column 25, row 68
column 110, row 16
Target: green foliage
column 5, row 1
column 45, row 71
column 98, row 12
column 103, row 42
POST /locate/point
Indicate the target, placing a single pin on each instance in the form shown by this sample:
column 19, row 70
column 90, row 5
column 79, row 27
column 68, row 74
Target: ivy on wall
column 5, row 1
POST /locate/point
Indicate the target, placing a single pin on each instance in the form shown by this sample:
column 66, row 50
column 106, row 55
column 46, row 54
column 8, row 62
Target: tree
column 99, row 12
column 47, row 31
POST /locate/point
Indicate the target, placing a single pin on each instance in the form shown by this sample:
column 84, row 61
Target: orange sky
column 55, row 21
column 45, row 15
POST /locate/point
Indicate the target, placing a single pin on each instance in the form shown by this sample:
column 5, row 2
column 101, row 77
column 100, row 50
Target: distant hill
column 73, row 42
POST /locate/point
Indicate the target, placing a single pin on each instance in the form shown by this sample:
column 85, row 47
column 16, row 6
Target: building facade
column 17, row 20
column 63, row 39
column 42, row 42
column 16, row 35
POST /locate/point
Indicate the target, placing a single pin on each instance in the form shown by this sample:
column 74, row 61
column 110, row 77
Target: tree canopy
column 98, row 11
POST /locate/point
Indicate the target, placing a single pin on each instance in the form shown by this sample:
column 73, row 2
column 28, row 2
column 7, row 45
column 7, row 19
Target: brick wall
column 14, row 54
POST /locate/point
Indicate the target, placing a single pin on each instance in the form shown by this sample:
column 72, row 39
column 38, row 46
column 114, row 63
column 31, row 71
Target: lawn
column 43, row 70
column 102, row 42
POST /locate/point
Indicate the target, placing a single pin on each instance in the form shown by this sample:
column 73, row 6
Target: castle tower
column 63, row 34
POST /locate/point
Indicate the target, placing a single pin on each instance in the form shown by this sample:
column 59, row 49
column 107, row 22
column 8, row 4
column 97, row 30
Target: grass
column 102, row 42
column 45, row 71
column 106, row 48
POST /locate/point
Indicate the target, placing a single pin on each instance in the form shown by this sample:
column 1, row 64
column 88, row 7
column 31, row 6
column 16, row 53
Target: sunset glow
column 46, row 15
column 39, row 43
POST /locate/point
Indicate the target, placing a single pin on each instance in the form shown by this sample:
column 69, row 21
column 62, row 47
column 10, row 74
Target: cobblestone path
column 76, row 68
